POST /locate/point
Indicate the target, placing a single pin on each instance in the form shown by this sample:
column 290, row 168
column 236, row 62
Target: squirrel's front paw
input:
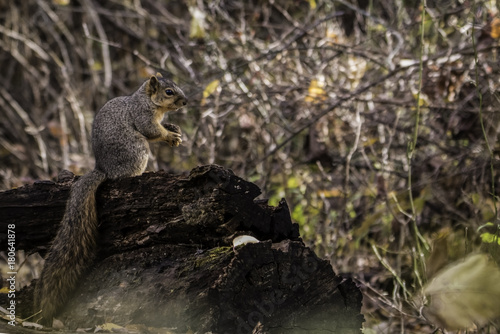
column 174, row 134
column 173, row 139
column 172, row 127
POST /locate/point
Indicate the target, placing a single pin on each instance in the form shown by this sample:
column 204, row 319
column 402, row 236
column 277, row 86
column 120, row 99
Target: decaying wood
column 166, row 258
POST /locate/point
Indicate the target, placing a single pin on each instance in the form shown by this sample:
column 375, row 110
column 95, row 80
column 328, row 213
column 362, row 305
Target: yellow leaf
column 209, row 90
column 333, row 35
column 110, row 327
column 61, row 2
column 490, row 238
column 293, row 182
column 331, row 193
column 198, row 24
column 495, row 28
column 316, row 93
column 464, row 294
column 97, row 66
column 312, row 3
column 370, row 142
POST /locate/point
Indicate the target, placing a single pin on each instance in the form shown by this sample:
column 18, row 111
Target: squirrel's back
column 112, row 127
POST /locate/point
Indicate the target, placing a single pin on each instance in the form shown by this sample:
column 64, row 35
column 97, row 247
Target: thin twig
column 419, row 262
column 353, row 149
column 108, row 75
column 481, row 120
column 29, row 43
column 31, row 128
column 330, row 108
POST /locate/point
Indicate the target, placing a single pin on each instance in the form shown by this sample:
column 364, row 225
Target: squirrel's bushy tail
column 72, row 250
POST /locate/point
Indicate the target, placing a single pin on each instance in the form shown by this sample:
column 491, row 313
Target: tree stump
column 166, row 258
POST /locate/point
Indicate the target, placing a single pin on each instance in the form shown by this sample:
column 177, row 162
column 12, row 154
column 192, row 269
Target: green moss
column 209, row 258
column 212, row 256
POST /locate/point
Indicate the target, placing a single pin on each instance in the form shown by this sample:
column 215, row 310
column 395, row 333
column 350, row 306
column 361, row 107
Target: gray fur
column 120, row 136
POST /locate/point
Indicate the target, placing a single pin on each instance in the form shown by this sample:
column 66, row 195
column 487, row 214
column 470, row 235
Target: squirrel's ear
column 158, row 75
column 153, row 85
column 153, row 80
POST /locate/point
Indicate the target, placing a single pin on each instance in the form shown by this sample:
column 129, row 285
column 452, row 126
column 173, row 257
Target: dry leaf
column 198, row 24
column 209, row 90
column 111, row 327
column 495, row 28
column 61, row 2
column 356, row 70
column 316, row 92
column 464, row 294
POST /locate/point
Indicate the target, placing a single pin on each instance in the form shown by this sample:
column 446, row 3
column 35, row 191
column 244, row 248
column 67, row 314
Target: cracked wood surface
column 166, row 258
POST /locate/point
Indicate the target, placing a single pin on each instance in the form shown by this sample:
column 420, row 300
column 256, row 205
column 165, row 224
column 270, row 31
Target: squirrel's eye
column 169, row 92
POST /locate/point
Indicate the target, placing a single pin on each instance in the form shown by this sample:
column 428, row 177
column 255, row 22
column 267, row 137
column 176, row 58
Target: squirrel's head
column 165, row 94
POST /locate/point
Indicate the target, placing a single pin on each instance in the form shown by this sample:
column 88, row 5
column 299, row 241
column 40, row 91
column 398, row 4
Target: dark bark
column 166, row 258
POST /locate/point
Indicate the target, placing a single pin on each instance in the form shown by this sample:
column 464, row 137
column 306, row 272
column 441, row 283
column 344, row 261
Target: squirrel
column 120, row 135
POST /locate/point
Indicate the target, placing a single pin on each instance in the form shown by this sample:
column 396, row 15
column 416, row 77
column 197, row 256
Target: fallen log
column 166, row 258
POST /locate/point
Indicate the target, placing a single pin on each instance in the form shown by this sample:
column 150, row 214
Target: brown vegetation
column 315, row 101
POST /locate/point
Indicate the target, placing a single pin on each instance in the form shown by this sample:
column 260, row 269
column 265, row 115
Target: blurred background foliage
column 315, row 101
